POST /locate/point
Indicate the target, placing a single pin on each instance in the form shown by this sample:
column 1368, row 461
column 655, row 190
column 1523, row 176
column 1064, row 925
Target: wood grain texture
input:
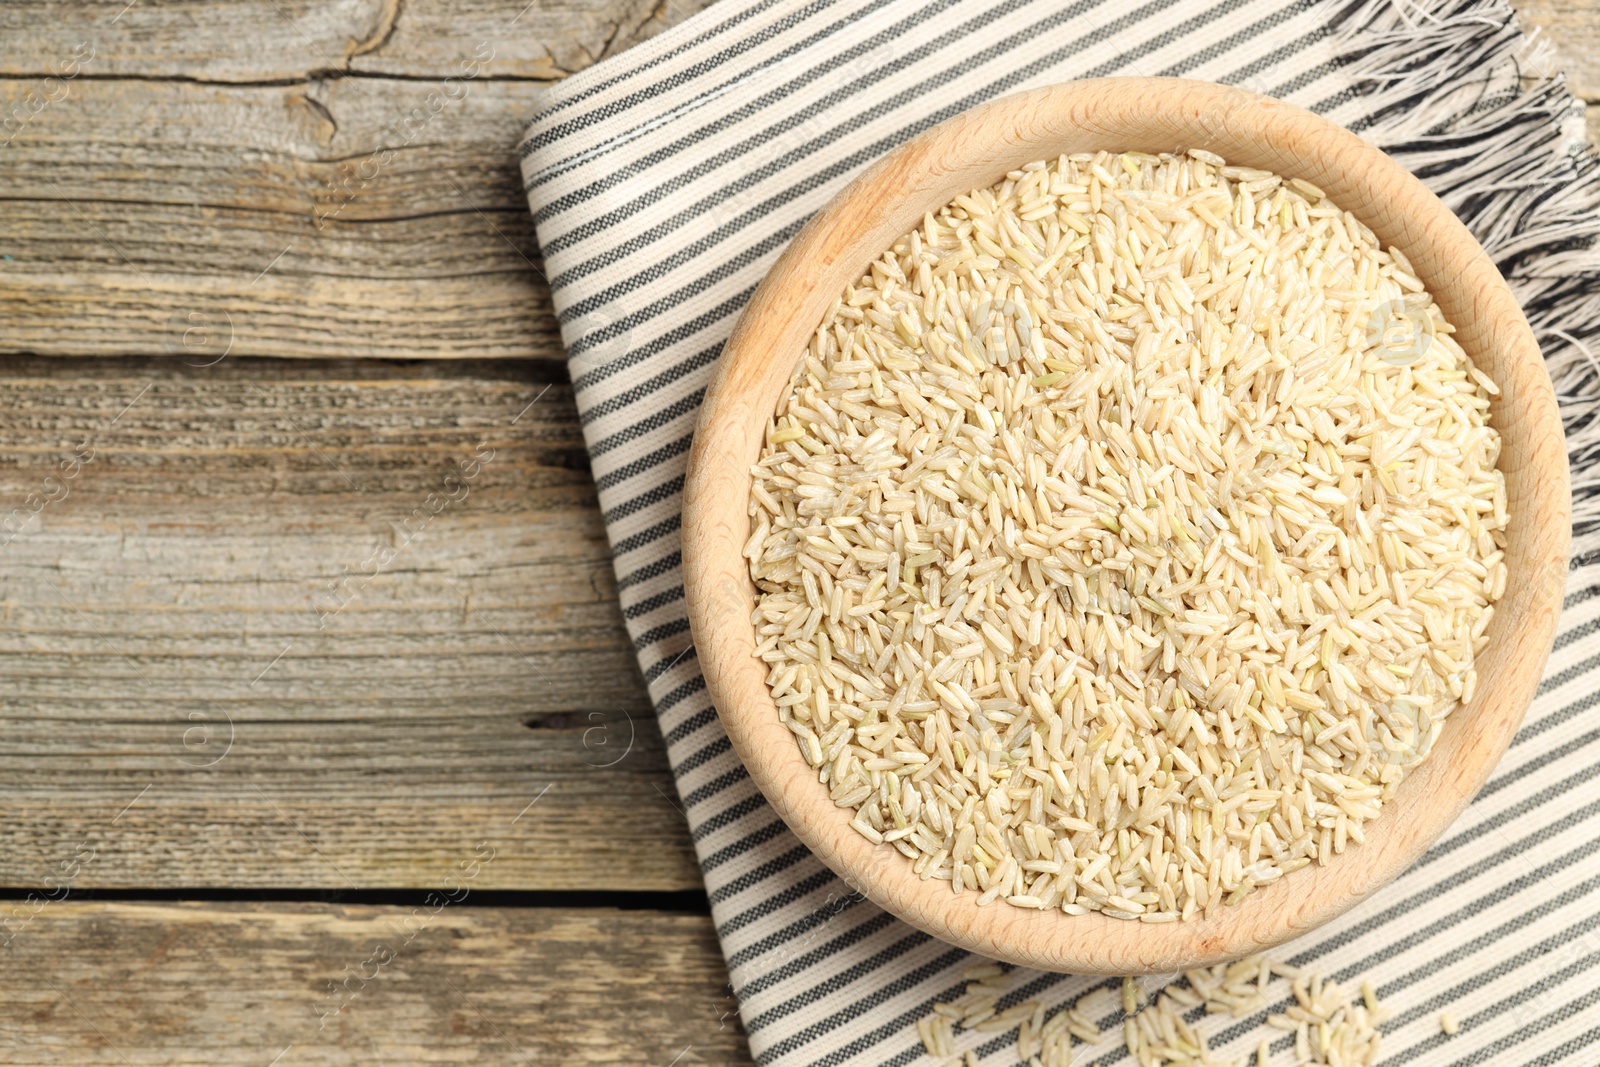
column 313, row 180
column 321, row 219
column 218, row 985
column 277, row 40
column 973, row 151
column 252, row 552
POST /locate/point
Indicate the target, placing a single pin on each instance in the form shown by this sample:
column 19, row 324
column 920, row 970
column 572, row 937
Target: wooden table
column 323, row 739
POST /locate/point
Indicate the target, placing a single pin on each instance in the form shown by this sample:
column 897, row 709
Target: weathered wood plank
column 268, row 40
column 301, row 220
column 312, row 151
column 95, row 983
column 387, row 587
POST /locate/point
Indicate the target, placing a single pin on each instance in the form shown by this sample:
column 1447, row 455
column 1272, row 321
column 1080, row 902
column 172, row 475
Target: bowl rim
column 973, row 150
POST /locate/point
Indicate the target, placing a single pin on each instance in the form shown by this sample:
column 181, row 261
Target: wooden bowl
column 973, row 151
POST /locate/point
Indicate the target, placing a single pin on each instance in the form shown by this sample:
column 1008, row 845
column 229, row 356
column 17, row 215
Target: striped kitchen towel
column 665, row 181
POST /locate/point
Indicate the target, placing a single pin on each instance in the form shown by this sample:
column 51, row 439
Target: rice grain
column 1130, row 530
column 1170, row 1028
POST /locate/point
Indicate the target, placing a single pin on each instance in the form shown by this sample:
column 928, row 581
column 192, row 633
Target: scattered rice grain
column 1329, row 1027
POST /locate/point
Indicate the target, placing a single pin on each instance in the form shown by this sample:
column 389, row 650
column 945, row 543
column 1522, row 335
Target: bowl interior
column 973, row 151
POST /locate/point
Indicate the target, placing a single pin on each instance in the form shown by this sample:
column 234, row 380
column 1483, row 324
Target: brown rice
column 1130, row 530
column 1163, row 1026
